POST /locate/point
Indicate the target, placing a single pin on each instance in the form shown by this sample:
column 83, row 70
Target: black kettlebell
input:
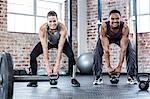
column 53, row 82
column 143, row 84
column 53, row 79
column 114, row 79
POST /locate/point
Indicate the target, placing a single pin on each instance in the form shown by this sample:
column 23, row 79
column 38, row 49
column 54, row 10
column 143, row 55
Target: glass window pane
column 21, row 13
column 43, row 7
column 10, row 22
column 21, row 6
column 39, row 22
column 21, row 23
column 143, row 23
column 143, row 7
column 131, row 8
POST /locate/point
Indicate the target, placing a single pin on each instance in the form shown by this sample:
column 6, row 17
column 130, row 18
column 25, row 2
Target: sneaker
column 98, row 81
column 75, row 83
column 131, row 80
column 32, row 84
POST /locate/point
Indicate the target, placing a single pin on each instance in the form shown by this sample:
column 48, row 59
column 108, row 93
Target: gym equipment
column 6, row 73
column 85, row 63
column 53, row 79
column 7, row 77
column 143, row 84
column 114, row 79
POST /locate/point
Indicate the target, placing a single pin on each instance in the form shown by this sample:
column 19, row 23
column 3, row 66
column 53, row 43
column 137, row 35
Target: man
column 114, row 31
column 52, row 34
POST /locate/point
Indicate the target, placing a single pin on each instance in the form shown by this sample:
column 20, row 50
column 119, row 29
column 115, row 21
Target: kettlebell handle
column 54, row 77
column 143, row 75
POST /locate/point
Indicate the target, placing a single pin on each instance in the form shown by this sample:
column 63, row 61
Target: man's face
column 52, row 22
column 114, row 20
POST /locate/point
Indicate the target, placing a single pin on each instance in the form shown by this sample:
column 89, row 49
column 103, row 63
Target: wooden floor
column 64, row 90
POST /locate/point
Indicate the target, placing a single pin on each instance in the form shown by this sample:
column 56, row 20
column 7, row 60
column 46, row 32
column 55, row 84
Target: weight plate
column 7, row 76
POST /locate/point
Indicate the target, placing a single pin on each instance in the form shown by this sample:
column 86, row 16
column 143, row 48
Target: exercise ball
column 85, row 63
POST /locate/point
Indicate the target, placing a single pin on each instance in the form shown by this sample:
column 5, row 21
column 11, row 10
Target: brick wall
column 144, row 52
column 74, row 24
column 92, row 17
column 20, row 45
column 3, row 24
column 3, row 16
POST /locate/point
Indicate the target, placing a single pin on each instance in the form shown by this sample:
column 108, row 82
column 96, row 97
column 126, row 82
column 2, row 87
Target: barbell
column 7, row 77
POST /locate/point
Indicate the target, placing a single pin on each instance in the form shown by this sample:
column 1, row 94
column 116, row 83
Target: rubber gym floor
column 64, row 90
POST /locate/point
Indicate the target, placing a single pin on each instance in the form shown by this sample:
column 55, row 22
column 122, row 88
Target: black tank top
column 53, row 38
column 114, row 37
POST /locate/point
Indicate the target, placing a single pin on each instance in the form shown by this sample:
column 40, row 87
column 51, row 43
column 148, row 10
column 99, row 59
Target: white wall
column 82, row 26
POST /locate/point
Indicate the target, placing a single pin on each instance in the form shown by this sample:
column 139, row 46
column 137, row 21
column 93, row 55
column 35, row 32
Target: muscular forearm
column 121, row 57
column 124, row 43
column 107, row 58
column 105, row 44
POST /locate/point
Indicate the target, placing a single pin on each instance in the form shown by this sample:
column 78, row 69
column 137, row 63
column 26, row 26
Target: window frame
column 35, row 16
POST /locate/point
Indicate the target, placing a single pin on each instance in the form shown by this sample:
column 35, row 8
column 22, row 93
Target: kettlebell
column 53, row 82
column 143, row 84
column 53, row 79
column 114, row 79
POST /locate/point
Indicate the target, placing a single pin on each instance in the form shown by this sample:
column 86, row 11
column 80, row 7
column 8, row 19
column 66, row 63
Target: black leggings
column 67, row 50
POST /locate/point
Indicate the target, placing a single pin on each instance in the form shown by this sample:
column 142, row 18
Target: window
column 143, row 16
column 143, row 23
column 28, row 15
column 143, row 7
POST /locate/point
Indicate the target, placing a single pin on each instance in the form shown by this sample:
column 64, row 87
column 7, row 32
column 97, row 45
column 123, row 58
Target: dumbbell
column 143, row 83
column 53, row 79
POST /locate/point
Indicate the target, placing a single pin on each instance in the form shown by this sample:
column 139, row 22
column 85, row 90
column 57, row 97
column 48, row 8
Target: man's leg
column 97, row 65
column 131, row 63
column 69, row 53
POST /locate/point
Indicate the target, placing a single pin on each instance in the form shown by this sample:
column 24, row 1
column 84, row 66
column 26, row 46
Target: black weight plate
column 7, row 76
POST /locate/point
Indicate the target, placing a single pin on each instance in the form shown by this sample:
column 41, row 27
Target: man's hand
column 117, row 70
column 110, row 70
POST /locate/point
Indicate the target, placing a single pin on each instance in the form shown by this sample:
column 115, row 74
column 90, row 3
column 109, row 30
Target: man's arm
column 105, row 44
column 61, row 43
column 123, row 45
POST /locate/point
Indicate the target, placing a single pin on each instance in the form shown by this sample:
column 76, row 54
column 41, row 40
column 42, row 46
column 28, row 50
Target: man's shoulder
column 104, row 24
